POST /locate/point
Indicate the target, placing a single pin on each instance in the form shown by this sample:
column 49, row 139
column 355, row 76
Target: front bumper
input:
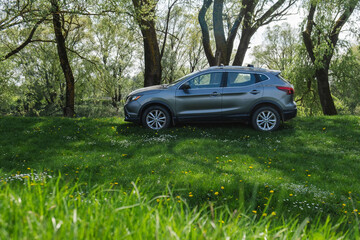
column 289, row 114
column 131, row 112
column 131, row 117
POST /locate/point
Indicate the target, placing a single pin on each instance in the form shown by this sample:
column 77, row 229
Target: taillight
column 288, row 90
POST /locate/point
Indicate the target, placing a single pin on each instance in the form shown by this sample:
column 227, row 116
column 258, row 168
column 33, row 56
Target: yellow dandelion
column 158, row 200
column 254, row 211
column 28, row 168
column 273, row 213
column 222, row 187
column 190, row 195
column 264, row 214
column 250, row 167
column 271, row 191
column 290, row 194
column 216, row 193
column 344, row 204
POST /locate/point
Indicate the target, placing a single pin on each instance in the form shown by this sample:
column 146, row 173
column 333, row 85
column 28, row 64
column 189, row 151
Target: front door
column 202, row 100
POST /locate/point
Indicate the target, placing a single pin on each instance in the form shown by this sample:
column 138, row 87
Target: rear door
column 241, row 92
column 203, row 99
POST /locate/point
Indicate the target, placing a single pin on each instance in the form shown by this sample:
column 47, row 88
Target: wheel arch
column 156, row 103
column 268, row 104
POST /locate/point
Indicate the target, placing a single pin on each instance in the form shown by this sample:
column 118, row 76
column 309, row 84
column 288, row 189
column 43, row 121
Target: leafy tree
column 324, row 23
column 345, row 76
column 249, row 17
column 113, row 45
column 283, row 50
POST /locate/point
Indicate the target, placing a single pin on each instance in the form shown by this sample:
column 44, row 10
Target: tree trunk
column 243, row 46
column 69, row 109
column 144, row 10
column 326, row 100
column 219, row 34
column 205, row 33
column 152, row 57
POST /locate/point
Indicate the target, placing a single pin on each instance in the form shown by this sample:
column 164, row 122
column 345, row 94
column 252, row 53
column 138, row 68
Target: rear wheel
column 156, row 118
column 266, row 119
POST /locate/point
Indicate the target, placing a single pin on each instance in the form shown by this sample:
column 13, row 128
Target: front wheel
column 156, row 118
column 266, row 119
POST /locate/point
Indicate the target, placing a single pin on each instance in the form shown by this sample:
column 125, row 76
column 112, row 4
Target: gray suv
column 221, row 93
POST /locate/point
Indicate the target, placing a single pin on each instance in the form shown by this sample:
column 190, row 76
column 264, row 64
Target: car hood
column 147, row 89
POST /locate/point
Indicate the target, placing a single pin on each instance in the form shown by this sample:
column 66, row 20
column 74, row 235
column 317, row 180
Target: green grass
column 195, row 181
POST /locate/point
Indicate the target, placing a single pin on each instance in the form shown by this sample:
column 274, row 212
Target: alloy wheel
column 156, row 119
column 266, row 120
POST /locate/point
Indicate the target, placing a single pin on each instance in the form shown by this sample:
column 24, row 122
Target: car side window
column 260, row 77
column 208, row 80
column 240, row 79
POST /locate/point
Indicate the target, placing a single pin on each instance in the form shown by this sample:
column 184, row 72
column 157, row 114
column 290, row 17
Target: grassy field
column 103, row 178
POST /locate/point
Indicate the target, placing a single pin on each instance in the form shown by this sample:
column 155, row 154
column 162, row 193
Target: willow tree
column 249, row 17
column 324, row 22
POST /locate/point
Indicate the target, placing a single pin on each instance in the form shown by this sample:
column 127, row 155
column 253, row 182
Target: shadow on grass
column 198, row 158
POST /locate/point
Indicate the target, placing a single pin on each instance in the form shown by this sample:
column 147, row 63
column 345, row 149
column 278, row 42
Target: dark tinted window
column 260, row 77
column 240, row 79
column 209, row 80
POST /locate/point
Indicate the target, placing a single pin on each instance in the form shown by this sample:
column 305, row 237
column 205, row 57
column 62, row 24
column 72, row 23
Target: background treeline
column 82, row 57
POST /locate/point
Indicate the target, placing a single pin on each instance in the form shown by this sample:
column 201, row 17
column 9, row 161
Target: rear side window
column 240, row 79
column 260, row 77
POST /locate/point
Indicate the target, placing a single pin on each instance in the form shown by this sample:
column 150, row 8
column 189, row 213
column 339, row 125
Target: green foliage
column 346, row 80
column 56, row 208
column 306, row 171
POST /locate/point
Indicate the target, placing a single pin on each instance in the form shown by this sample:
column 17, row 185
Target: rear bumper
column 289, row 114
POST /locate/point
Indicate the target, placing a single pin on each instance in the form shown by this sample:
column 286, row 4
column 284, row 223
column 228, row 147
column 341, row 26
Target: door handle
column 255, row 92
column 214, row 94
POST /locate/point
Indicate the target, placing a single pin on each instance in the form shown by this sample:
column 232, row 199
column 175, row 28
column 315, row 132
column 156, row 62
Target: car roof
column 243, row 68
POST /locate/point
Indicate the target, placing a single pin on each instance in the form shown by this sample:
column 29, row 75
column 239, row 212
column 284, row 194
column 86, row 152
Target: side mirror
column 185, row 86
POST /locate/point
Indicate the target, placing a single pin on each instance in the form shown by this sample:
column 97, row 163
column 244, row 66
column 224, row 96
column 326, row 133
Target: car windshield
column 179, row 80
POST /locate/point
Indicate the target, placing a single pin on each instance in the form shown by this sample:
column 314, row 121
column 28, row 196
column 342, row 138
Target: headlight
column 132, row 98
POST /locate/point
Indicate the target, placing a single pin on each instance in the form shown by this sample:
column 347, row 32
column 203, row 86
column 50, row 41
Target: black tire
column 156, row 118
column 266, row 119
